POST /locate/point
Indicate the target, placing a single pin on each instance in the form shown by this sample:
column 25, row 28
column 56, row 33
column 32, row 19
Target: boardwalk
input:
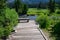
column 27, row 31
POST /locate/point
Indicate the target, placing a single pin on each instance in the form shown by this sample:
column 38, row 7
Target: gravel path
column 26, row 31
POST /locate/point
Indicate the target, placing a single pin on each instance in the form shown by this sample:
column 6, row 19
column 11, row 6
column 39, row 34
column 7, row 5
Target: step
column 37, row 37
column 26, row 34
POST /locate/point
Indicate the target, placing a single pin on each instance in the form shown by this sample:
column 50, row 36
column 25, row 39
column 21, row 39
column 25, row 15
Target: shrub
column 56, row 29
column 43, row 21
column 57, row 11
column 7, row 22
column 55, row 17
column 12, row 16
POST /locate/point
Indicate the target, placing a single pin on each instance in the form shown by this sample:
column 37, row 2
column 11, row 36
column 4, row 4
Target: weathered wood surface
column 23, row 19
column 26, row 31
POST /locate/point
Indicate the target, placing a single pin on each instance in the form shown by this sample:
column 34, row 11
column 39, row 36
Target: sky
column 33, row 1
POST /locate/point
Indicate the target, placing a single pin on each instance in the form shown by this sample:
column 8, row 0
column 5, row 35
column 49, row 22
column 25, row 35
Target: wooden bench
column 19, row 19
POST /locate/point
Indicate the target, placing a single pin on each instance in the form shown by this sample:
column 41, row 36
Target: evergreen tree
column 7, row 20
column 18, row 7
column 25, row 9
column 39, row 6
column 51, row 6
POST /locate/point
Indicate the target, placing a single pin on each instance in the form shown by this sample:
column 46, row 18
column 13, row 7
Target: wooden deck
column 26, row 31
column 23, row 19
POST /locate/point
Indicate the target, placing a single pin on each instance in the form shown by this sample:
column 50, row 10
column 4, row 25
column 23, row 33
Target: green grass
column 48, row 34
column 35, row 11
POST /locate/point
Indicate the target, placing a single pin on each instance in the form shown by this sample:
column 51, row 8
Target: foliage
column 51, row 6
column 12, row 16
column 56, row 29
column 57, row 11
column 35, row 11
column 20, row 8
column 56, row 18
column 8, row 19
column 2, row 4
column 43, row 21
column 7, row 22
column 25, row 9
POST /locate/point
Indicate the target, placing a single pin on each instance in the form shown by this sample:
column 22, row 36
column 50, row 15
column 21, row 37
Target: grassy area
column 35, row 11
column 48, row 34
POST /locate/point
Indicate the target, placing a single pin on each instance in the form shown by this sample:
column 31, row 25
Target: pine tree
column 51, row 6
column 25, row 9
column 18, row 6
column 39, row 6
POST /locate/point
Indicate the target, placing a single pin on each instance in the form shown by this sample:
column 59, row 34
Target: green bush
column 43, row 21
column 12, row 16
column 56, row 29
column 57, row 11
column 7, row 22
column 55, row 17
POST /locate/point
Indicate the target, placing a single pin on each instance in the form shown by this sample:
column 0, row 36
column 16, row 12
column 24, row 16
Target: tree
column 25, row 9
column 51, row 6
column 39, row 6
column 18, row 6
